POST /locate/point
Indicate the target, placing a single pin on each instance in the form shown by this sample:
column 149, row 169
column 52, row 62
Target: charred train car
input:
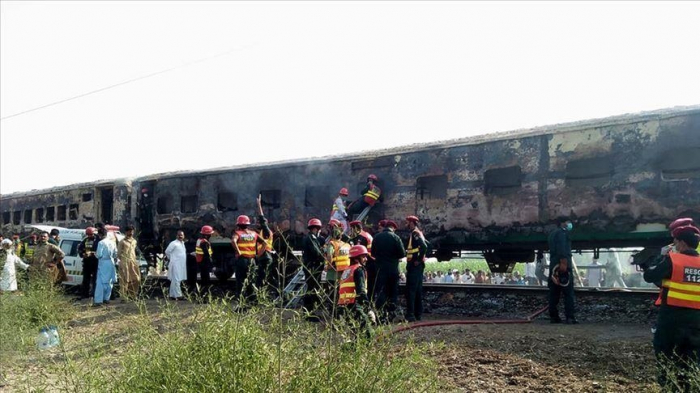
column 621, row 179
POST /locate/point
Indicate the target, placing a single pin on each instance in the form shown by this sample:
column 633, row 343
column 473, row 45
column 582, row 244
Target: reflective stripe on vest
column 246, row 243
column 684, row 284
column 368, row 239
column 347, row 293
column 410, row 250
column 372, row 195
column 29, row 250
column 341, row 255
column 199, row 252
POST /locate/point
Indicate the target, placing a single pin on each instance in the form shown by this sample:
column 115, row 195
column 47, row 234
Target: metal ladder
column 294, row 291
column 363, row 213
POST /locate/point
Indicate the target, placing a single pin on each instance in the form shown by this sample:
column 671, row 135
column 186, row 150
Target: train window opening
column 271, row 198
column 590, row 172
column 317, row 197
column 16, row 217
column 50, row 213
column 61, row 213
column 27, row 216
column 107, row 199
column 165, row 205
column 431, row 187
column 73, row 212
column 227, row 202
column 87, row 197
column 5, row 218
column 506, row 180
column 39, row 214
column 680, row 164
column 188, row 204
column 128, row 207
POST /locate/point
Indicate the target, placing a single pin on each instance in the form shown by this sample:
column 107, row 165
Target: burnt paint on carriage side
column 632, row 192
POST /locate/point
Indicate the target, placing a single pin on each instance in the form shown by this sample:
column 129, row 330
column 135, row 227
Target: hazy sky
column 292, row 80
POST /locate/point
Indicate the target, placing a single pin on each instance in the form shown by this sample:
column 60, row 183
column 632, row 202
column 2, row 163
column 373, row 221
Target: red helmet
column 334, row 223
column 15, row 237
column 33, row 235
column 681, row 222
column 688, row 228
column 390, row 223
column 355, row 223
column 358, row 251
column 243, row 220
column 412, row 219
column 207, row 230
column 89, row 231
column 373, row 177
column 314, row 222
column 343, row 191
column 382, row 223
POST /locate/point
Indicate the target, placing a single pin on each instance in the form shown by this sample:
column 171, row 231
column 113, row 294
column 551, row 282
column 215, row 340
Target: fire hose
column 417, row 325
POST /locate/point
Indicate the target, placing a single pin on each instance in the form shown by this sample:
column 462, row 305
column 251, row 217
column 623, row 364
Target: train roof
column 471, row 140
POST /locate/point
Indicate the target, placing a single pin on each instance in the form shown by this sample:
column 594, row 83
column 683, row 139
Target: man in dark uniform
column 560, row 267
column 387, row 250
column 313, row 263
column 266, row 257
column 53, row 237
column 86, row 250
column 370, row 195
column 203, row 257
column 677, row 337
column 415, row 265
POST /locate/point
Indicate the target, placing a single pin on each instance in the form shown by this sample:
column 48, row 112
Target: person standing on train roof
column 204, row 256
column 416, row 251
column 387, row 250
column 677, row 336
column 245, row 242
column 370, row 196
column 560, row 272
column 266, row 256
column 338, row 210
column 129, row 272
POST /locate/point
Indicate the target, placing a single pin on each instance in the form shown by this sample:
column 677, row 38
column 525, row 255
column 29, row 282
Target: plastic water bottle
column 42, row 340
column 54, row 340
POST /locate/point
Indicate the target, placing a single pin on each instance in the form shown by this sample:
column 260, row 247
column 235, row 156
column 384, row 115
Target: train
column 620, row 179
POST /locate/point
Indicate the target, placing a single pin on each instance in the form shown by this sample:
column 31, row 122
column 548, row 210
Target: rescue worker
column 560, row 272
column 266, row 257
column 28, row 248
column 47, row 256
column 387, row 250
column 352, row 292
column 106, row 272
column 313, row 261
column 129, row 272
column 370, row 195
column 362, row 238
column 8, row 267
column 17, row 244
column 415, row 266
column 204, row 257
column 53, row 237
column 677, row 336
column 177, row 269
column 337, row 258
column 338, row 210
column 245, row 243
column 86, row 250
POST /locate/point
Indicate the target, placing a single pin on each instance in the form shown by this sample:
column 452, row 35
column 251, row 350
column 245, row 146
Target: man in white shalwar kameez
column 8, row 267
column 177, row 268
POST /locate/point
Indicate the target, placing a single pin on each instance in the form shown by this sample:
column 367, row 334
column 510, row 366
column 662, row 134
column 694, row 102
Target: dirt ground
column 536, row 357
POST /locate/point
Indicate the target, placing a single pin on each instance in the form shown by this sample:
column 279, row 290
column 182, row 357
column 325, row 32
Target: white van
column 69, row 241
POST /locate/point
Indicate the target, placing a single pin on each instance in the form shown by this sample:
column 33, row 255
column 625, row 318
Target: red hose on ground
column 416, row 325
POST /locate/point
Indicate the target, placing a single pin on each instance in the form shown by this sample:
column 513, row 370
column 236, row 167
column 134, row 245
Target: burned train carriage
column 621, row 179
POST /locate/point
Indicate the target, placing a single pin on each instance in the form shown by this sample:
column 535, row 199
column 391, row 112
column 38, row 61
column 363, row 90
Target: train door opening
column 145, row 213
column 107, row 205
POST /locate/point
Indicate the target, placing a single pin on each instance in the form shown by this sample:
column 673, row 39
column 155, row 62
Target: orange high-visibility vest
column 347, row 293
column 341, row 255
column 246, row 243
column 372, row 195
column 684, row 284
column 199, row 252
